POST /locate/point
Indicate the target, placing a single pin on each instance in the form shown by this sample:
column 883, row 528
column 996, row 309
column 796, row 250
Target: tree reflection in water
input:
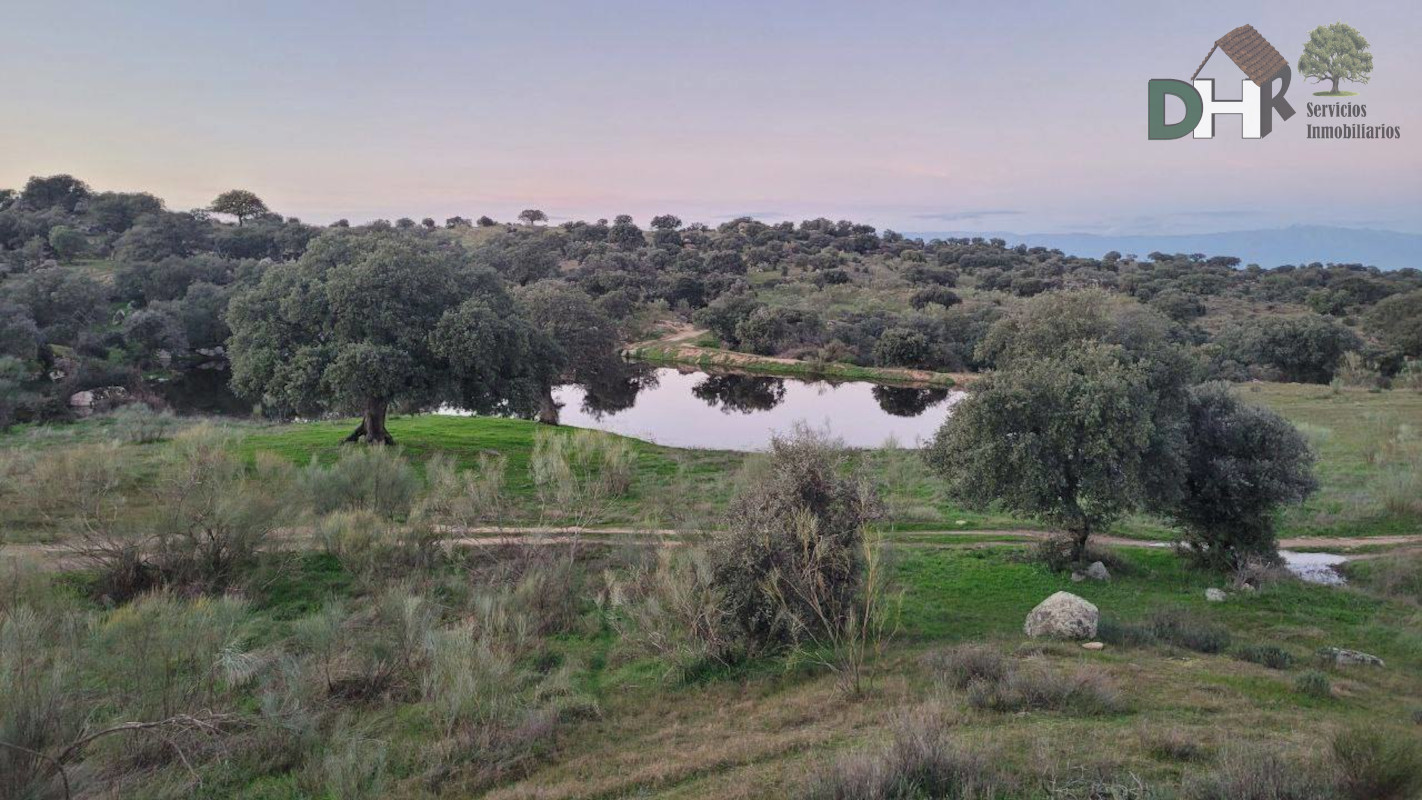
column 615, row 389
column 907, row 402
column 744, row 393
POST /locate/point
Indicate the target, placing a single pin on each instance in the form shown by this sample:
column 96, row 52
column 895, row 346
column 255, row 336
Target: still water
column 742, row 412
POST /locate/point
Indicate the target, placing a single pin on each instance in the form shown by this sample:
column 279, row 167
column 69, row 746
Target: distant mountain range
column 1299, row 244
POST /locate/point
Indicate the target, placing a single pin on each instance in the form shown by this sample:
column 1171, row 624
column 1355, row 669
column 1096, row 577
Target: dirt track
column 60, row 557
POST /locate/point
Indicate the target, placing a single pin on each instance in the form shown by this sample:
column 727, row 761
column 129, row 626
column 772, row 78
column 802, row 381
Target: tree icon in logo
column 1333, row 53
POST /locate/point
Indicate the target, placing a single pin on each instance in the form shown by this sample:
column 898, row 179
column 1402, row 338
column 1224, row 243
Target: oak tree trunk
column 1335, row 86
column 548, row 408
column 372, row 425
column 1078, row 543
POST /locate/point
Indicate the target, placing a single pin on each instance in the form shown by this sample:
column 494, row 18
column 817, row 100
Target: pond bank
column 678, row 353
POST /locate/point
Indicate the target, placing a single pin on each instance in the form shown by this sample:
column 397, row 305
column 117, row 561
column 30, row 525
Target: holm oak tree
column 367, row 321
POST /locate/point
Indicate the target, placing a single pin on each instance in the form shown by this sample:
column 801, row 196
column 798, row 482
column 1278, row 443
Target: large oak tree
column 1066, row 440
column 370, row 320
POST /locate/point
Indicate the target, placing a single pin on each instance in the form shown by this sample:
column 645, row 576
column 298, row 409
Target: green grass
column 1339, row 93
column 1361, row 439
column 992, row 589
column 465, row 439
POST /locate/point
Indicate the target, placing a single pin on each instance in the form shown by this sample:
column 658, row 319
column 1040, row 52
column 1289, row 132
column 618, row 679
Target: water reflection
column 746, row 394
column 904, row 401
column 742, row 412
column 616, row 388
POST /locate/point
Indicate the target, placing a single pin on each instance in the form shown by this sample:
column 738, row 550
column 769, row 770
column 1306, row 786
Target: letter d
column 1194, row 108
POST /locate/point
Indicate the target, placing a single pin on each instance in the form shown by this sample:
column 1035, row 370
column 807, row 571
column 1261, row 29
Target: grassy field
column 758, row 735
column 1369, row 447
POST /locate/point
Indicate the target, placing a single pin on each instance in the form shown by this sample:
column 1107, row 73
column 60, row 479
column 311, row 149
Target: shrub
column 790, row 564
column 1255, row 774
column 139, row 424
column 1265, row 654
column 670, row 608
column 1183, row 630
column 959, row 666
column 465, row 497
column 375, row 479
column 1174, row 744
column 351, row 766
column 1313, row 683
column 1377, row 764
column 358, row 539
column 940, row 295
column 579, row 476
column 1029, row 689
column 1299, row 349
column 1113, row 631
column 919, row 762
column 214, row 519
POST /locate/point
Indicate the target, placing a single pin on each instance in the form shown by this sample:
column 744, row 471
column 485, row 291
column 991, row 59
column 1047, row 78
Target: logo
column 1261, row 64
column 1333, row 53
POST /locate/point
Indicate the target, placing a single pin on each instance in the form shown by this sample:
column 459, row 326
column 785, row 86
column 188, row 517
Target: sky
column 1021, row 116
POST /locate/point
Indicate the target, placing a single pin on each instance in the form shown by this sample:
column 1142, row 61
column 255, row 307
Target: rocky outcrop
column 1350, row 658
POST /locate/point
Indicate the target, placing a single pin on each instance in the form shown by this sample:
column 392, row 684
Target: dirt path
column 61, row 557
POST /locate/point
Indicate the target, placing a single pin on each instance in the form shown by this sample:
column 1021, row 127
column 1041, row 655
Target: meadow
column 359, row 654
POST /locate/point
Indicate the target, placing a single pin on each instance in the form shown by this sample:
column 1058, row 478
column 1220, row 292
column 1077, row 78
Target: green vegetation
column 253, row 609
column 384, row 647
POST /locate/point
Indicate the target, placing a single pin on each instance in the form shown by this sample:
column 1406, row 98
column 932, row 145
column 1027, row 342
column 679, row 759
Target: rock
column 1215, row 595
column 1098, row 572
column 1092, row 646
column 1350, row 658
column 104, row 398
column 1062, row 616
column 1077, row 577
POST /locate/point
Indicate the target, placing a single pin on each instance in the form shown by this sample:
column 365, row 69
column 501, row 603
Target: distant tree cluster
column 107, row 288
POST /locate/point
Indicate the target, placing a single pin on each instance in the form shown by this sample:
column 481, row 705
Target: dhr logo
column 1261, row 64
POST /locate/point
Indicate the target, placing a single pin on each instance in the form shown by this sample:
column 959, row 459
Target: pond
column 729, row 411
column 687, row 407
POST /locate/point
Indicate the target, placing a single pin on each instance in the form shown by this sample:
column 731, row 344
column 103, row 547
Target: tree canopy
column 370, row 320
column 1336, row 52
column 1066, row 440
column 1243, row 462
column 240, row 203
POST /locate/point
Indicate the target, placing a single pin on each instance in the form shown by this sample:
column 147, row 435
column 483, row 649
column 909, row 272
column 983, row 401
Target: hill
column 1297, row 244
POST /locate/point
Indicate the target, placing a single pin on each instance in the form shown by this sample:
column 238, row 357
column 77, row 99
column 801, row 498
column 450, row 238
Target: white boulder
column 1063, row 616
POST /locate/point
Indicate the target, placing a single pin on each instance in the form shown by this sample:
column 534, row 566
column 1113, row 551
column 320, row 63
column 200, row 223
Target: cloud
column 959, row 216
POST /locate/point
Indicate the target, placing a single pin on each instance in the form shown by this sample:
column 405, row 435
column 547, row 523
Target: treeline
column 100, row 289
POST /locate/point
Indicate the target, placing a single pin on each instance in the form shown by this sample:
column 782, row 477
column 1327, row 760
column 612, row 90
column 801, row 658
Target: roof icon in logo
column 1249, row 51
